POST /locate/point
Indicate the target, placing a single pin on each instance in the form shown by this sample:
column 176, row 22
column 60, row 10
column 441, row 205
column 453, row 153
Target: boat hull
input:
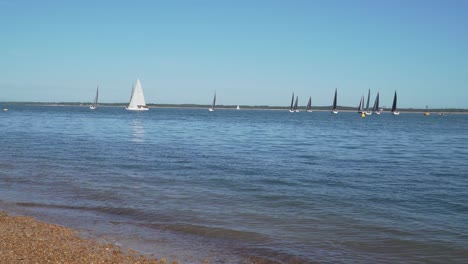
column 335, row 112
column 395, row 113
column 210, row 109
column 136, row 108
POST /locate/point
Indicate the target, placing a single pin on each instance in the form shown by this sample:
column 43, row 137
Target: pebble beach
column 26, row 240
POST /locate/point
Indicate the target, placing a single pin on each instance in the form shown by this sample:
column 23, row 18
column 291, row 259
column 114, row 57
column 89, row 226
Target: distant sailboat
column 295, row 105
column 361, row 105
column 213, row 104
column 237, row 108
column 376, row 109
column 335, row 111
column 309, row 105
column 394, row 105
column 291, row 109
column 94, row 105
column 367, row 106
column 137, row 100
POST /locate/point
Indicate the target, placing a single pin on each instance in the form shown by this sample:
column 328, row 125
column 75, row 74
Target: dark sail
column 394, row 105
column 361, row 105
column 214, row 102
column 368, row 99
column 334, row 101
column 97, row 95
column 309, row 104
column 295, row 104
column 376, row 103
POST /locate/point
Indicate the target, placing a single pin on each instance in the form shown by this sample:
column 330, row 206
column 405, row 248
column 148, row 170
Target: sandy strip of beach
column 26, row 240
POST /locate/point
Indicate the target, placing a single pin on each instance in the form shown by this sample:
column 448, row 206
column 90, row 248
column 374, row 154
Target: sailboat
column 213, row 104
column 309, row 105
column 361, row 105
column 335, row 111
column 137, row 99
column 295, row 105
column 94, row 105
column 237, row 108
column 376, row 109
column 291, row 109
column 367, row 106
column 394, row 105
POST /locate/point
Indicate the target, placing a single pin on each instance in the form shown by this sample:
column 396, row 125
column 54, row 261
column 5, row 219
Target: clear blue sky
column 250, row 52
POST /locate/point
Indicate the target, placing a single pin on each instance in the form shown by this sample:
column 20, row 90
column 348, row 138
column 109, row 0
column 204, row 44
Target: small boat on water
column 5, row 109
column 213, row 104
column 309, row 105
column 394, row 105
column 137, row 99
column 335, row 110
column 376, row 109
column 367, row 106
column 237, row 108
column 95, row 103
column 427, row 113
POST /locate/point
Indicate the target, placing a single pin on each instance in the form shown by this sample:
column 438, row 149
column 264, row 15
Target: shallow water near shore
column 226, row 185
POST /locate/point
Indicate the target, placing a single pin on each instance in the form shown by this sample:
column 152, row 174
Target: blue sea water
column 223, row 186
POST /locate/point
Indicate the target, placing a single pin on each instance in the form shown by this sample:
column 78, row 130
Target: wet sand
column 25, row 240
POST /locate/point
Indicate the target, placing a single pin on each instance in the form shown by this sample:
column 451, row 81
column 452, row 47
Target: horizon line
column 220, row 105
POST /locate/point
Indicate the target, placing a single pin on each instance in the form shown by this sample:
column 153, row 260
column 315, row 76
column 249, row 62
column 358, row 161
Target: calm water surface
column 191, row 185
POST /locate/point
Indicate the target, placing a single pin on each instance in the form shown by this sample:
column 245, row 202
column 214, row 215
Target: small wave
column 213, row 232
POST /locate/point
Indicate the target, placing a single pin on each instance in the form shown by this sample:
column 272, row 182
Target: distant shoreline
column 233, row 107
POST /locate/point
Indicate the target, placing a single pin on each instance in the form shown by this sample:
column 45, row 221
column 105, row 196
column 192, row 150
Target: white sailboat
column 94, row 105
column 237, row 108
column 335, row 110
column 137, row 100
column 394, row 105
column 213, row 104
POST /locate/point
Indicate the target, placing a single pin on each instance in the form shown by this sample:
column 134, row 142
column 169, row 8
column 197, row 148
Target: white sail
column 137, row 100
